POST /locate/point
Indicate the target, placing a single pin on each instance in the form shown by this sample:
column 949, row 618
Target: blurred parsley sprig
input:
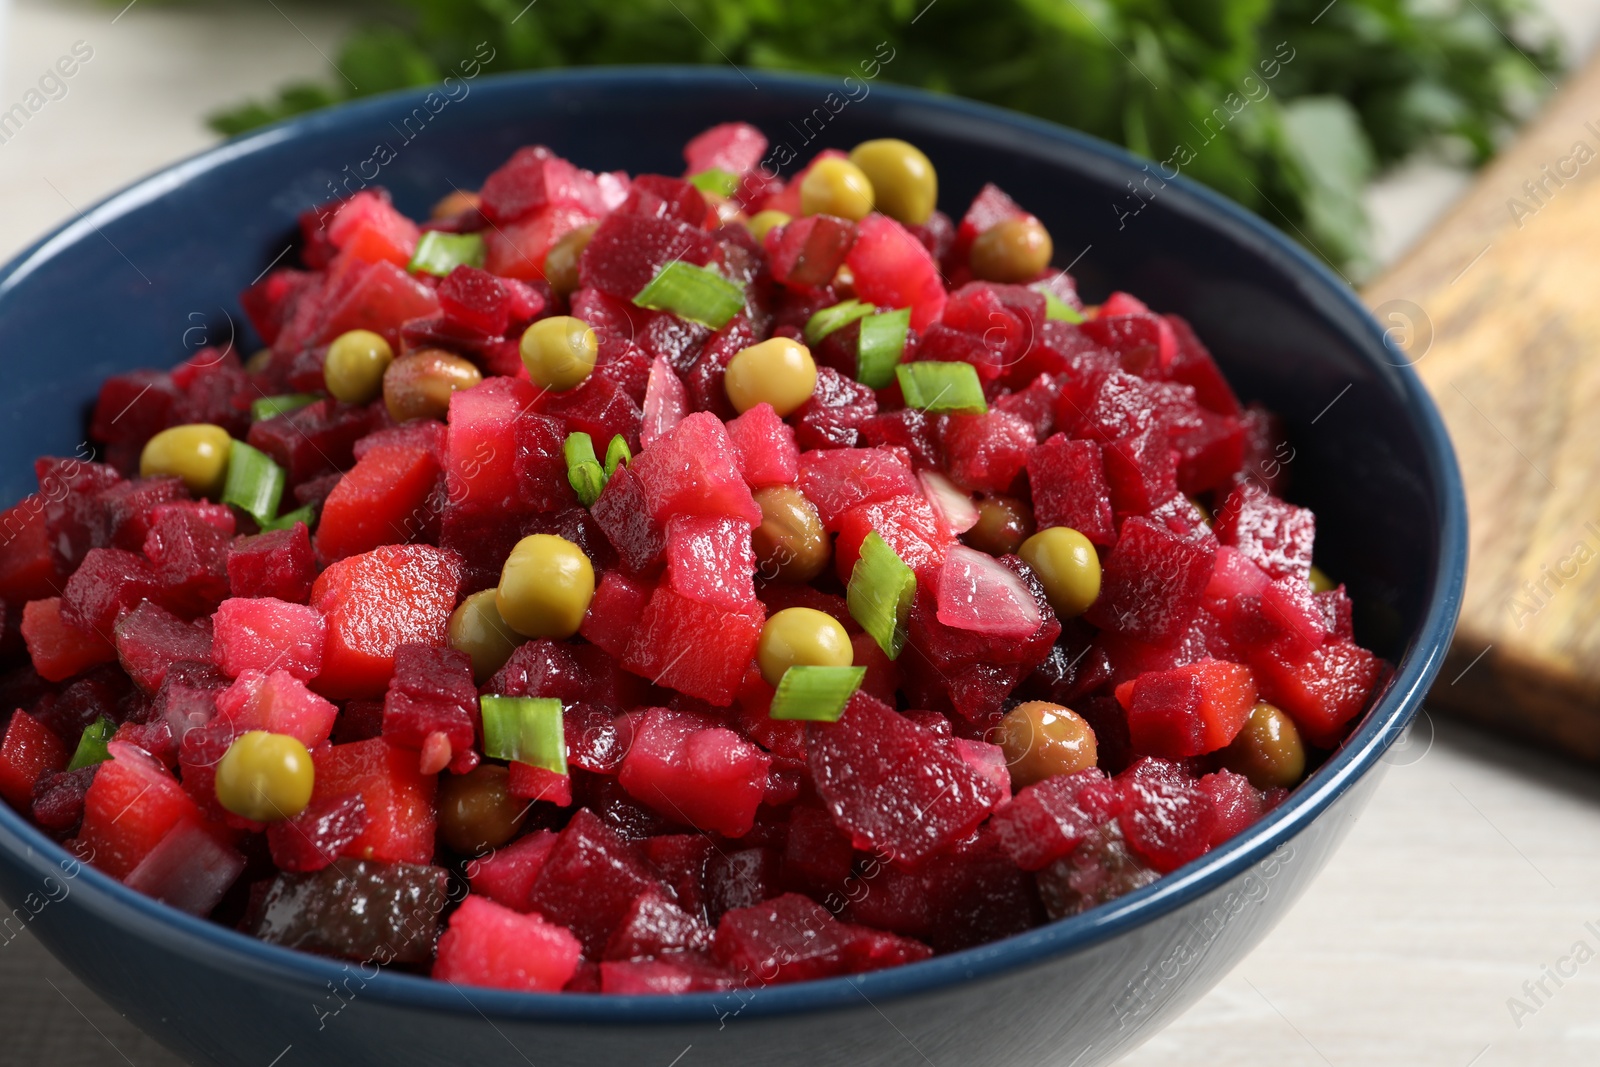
column 1369, row 83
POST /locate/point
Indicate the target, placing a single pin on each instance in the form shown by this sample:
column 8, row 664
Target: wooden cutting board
column 1499, row 310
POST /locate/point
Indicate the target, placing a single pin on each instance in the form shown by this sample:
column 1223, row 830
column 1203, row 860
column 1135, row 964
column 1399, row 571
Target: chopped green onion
column 255, row 482
column 92, row 745
column 588, row 478
column 525, row 730
column 440, row 253
column 882, row 342
column 306, row 515
column 942, row 388
column 824, row 322
column 880, row 593
column 618, row 454
column 1057, row 308
column 815, row 694
column 270, row 407
column 693, row 293
column 715, row 180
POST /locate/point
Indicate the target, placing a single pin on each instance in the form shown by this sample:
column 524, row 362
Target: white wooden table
column 1475, row 867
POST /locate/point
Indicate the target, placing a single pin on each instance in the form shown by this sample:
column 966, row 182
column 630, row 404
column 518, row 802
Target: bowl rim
column 1382, row 725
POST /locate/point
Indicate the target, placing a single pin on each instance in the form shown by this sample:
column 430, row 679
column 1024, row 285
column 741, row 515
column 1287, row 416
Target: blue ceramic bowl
column 154, row 272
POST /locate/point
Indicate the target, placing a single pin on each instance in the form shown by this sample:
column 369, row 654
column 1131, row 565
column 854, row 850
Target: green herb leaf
column 723, row 183
column 882, row 343
column 829, row 319
column 815, row 694
column 880, row 593
column 270, row 407
column 618, row 454
column 440, row 253
column 942, row 388
column 92, row 744
column 255, row 483
column 694, row 293
column 525, row 730
column 588, row 478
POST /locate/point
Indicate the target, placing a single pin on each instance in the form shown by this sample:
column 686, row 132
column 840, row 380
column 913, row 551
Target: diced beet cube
column 660, row 197
column 741, row 879
column 263, row 634
column 131, row 806
column 909, row 428
column 623, row 513
column 277, row 564
column 187, row 546
column 986, row 452
column 618, row 604
column 506, row 875
column 1194, row 366
column 694, row 470
column 490, row 945
column 989, row 207
column 475, row 300
column 317, row 439
column 907, row 524
column 1188, row 710
column 599, row 408
column 1325, row 691
column 1142, row 472
column 1099, row 870
column 833, row 417
column 708, row 777
column 368, row 225
column 589, row 880
column 107, row 584
column 28, row 566
column 541, row 466
column 482, row 443
column 315, row 838
column 1068, row 482
column 683, row 860
column 817, row 857
column 129, row 508
column 679, row 972
column 59, row 798
column 269, row 301
column 1048, row 819
column 541, row 668
column 893, row 785
column 1209, row 453
column 28, row 752
column 528, row 782
column 57, row 649
column 1152, row 584
column 535, row 177
column 807, row 252
column 1236, row 802
column 1166, row 817
column 626, row 251
column 838, row 479
column 384, row 499
column 431, row 693
column 132, row 408
column 1276, row 536
column 735, row 147
column 711, row 560
column 375, row 602
column 653, row 925
column 374, row 912
column 696, row 648
column 1336, row 610
column 279, row 703
column 893, row 269
column 793, row 938
column 399, row 799
column 766, row 448
column 150, row 639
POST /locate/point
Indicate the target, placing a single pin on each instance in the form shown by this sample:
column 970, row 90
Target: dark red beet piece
column 654, row 924
column 361, row 910
column 793, row 938
column 622, row 512
column 1046, row 820
column 58, row 799
column 277, row 564
column 833, row 417
column 313, row 839
column 1166, row 818
column 540, row 668
column 893, row 785
column 1274, row 535
column 590, row 880
column 431, row 692
column 1152, row 584
column 1099, row 870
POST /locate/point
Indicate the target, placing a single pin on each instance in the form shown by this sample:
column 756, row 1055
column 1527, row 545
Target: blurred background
column 1476, row 869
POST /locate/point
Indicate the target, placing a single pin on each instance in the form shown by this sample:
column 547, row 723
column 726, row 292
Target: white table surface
column 1475, row 867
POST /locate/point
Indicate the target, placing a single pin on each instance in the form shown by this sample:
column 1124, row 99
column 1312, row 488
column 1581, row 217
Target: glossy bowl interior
column 153, row 273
